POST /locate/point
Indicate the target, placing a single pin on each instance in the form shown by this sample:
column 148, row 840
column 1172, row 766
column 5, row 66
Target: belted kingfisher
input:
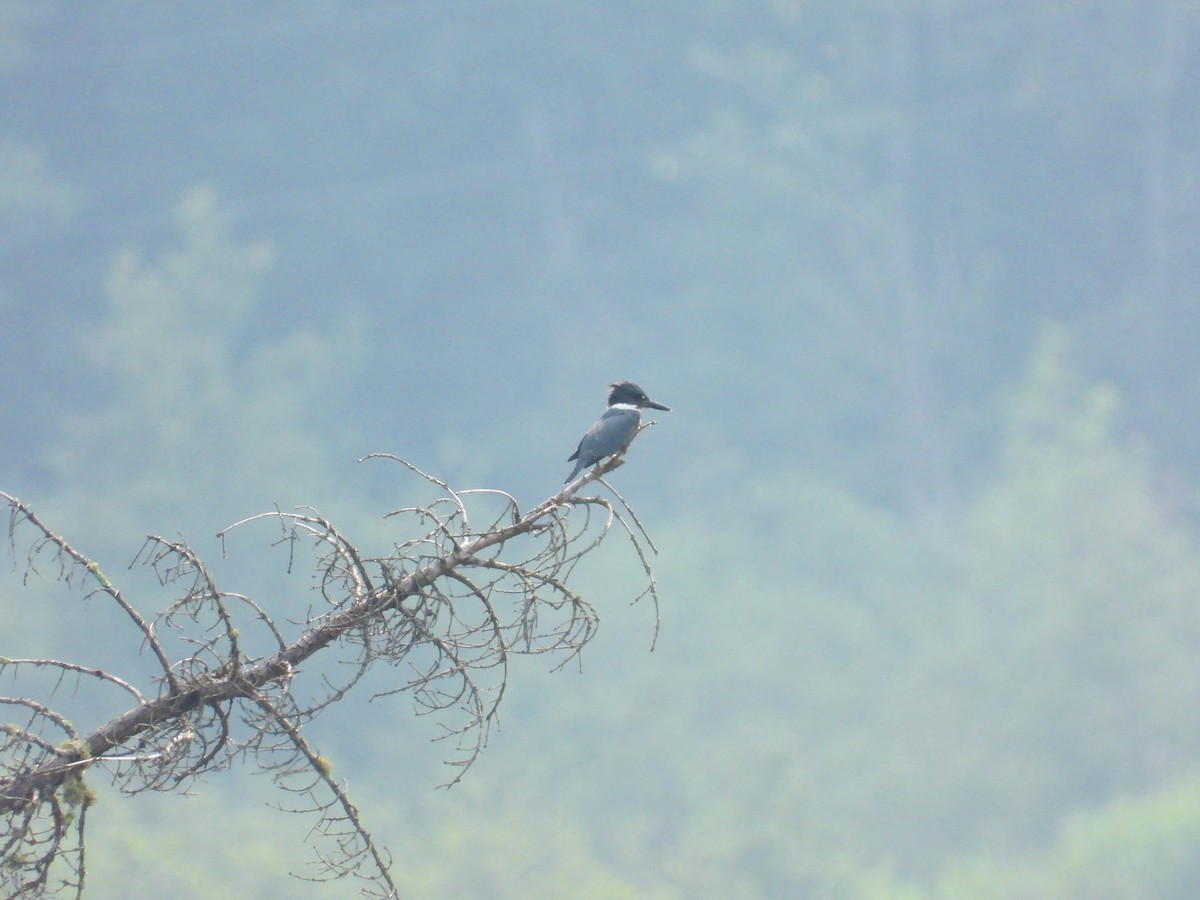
column 615, row 429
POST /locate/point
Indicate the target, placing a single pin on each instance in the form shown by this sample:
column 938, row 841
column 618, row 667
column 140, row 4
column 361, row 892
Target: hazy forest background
column 919, row 279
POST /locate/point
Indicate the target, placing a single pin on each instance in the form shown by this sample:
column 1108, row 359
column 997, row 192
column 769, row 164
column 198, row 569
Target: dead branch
column 449, row 605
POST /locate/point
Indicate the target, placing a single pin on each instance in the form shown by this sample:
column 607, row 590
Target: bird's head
column 630, row 393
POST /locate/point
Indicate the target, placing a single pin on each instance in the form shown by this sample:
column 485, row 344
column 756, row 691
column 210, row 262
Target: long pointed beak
column 650, row 403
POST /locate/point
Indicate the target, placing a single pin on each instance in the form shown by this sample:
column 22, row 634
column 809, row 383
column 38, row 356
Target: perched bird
column 615, row 429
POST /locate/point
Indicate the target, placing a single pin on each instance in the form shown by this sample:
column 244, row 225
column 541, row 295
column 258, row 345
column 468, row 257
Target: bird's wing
column 614, row 431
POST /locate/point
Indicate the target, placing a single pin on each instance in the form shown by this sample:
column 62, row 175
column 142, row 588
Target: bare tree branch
column 448, row 605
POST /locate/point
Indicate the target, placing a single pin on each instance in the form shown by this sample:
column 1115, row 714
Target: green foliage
column 516, row 852
column 223, row 840
column 1084, row 578
column 1135, row 846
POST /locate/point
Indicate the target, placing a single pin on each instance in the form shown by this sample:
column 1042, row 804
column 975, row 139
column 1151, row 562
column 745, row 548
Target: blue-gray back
column 611, row 434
